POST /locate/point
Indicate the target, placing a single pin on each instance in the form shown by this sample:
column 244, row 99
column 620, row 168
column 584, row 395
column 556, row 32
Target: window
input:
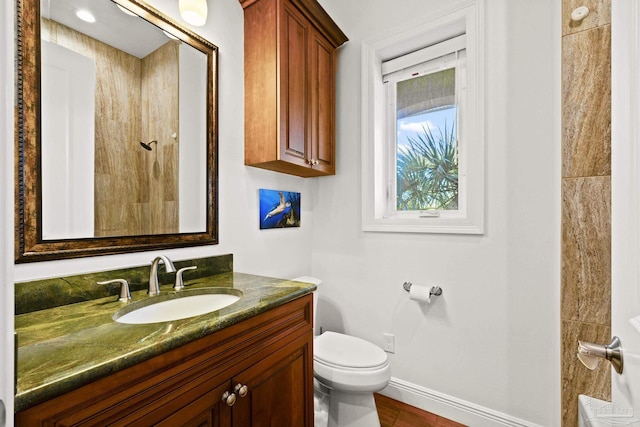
column 422, row 103
column 423, row 151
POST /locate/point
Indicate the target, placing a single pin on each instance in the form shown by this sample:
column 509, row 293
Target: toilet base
column 320, row 404
column 349, row 409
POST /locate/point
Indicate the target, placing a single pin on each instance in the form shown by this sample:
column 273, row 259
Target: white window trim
column 465, row 18
column 429, row 61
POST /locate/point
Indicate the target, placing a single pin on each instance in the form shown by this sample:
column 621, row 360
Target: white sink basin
column 176, row 306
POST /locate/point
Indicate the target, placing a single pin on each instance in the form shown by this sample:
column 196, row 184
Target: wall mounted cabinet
column 290, row 56
column 256, row 373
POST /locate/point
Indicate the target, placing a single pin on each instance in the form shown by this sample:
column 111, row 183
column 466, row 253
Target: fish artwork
column 279, row 209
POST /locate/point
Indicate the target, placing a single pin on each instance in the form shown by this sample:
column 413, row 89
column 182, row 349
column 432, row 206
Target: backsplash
column 48, row 293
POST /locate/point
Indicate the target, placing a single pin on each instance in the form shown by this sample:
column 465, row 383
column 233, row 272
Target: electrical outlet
column 389, row 343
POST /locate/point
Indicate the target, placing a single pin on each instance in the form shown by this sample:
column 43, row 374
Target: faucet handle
column 179, row 285
column 125, row 294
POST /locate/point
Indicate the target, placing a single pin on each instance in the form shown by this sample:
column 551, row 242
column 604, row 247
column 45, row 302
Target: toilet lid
column 347, row 351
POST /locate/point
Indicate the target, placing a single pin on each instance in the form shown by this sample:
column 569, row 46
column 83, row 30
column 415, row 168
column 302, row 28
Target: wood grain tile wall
column 159, row 82
column 586, row 199
column 136, row 100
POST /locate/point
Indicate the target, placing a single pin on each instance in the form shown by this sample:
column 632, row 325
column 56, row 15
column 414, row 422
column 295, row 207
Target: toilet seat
column 347, row 351
column 349, row 363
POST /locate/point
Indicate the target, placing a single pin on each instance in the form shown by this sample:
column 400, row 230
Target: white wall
column 491, row 342
column 283, row 253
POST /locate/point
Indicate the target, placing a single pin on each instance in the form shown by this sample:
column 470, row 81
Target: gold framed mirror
column 116, row 131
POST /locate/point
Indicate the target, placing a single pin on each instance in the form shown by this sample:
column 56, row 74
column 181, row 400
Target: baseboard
column 450, row 407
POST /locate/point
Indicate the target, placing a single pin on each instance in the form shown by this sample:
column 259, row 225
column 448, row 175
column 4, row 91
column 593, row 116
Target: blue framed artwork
column 279, row 209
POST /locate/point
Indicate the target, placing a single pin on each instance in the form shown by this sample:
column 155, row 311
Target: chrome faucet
column 154, row 286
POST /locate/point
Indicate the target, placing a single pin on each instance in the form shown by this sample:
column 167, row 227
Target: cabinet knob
column 241, row 389
column 313, row 162
column 229, row 398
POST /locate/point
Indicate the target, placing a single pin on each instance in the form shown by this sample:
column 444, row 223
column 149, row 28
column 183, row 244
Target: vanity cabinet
column 258, row 372
column 289, row 64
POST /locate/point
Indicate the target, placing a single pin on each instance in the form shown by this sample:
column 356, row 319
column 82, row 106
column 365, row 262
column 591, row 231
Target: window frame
column 430, row 61
column 378, row 153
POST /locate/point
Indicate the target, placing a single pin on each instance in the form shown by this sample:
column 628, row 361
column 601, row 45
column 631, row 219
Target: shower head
column 147, row 146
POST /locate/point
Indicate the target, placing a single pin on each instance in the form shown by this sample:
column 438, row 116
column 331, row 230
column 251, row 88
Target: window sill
column 422, row 225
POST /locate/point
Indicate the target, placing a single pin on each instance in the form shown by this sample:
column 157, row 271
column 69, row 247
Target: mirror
column 116, row 131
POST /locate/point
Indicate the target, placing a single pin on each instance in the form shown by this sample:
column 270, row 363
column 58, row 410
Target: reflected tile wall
column 136, row 100
column 586, row 200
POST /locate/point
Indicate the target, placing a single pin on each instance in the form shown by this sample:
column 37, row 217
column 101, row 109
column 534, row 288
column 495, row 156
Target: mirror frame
column 29, row 245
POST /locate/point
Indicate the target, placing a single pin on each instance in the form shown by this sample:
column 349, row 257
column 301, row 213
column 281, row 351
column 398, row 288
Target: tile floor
column 397, row 414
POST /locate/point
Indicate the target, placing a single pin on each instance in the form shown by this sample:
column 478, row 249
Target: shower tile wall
column 136, row 100
column 159, row 83
column 586, row 199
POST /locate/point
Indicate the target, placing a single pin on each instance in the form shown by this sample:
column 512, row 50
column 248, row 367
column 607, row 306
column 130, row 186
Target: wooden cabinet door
column 294, row 111
column 322, row 91
column 307, row 94
column 290, row 86
column 280, row 388
column 207, row 410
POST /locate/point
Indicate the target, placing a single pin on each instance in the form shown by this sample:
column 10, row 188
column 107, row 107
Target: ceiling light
column 86, row 16
column 194, row 12
column 125, row 10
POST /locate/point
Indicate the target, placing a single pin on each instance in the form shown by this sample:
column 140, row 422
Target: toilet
column 347, row 371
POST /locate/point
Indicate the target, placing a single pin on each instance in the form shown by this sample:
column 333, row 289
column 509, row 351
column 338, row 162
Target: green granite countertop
column 65, row 347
